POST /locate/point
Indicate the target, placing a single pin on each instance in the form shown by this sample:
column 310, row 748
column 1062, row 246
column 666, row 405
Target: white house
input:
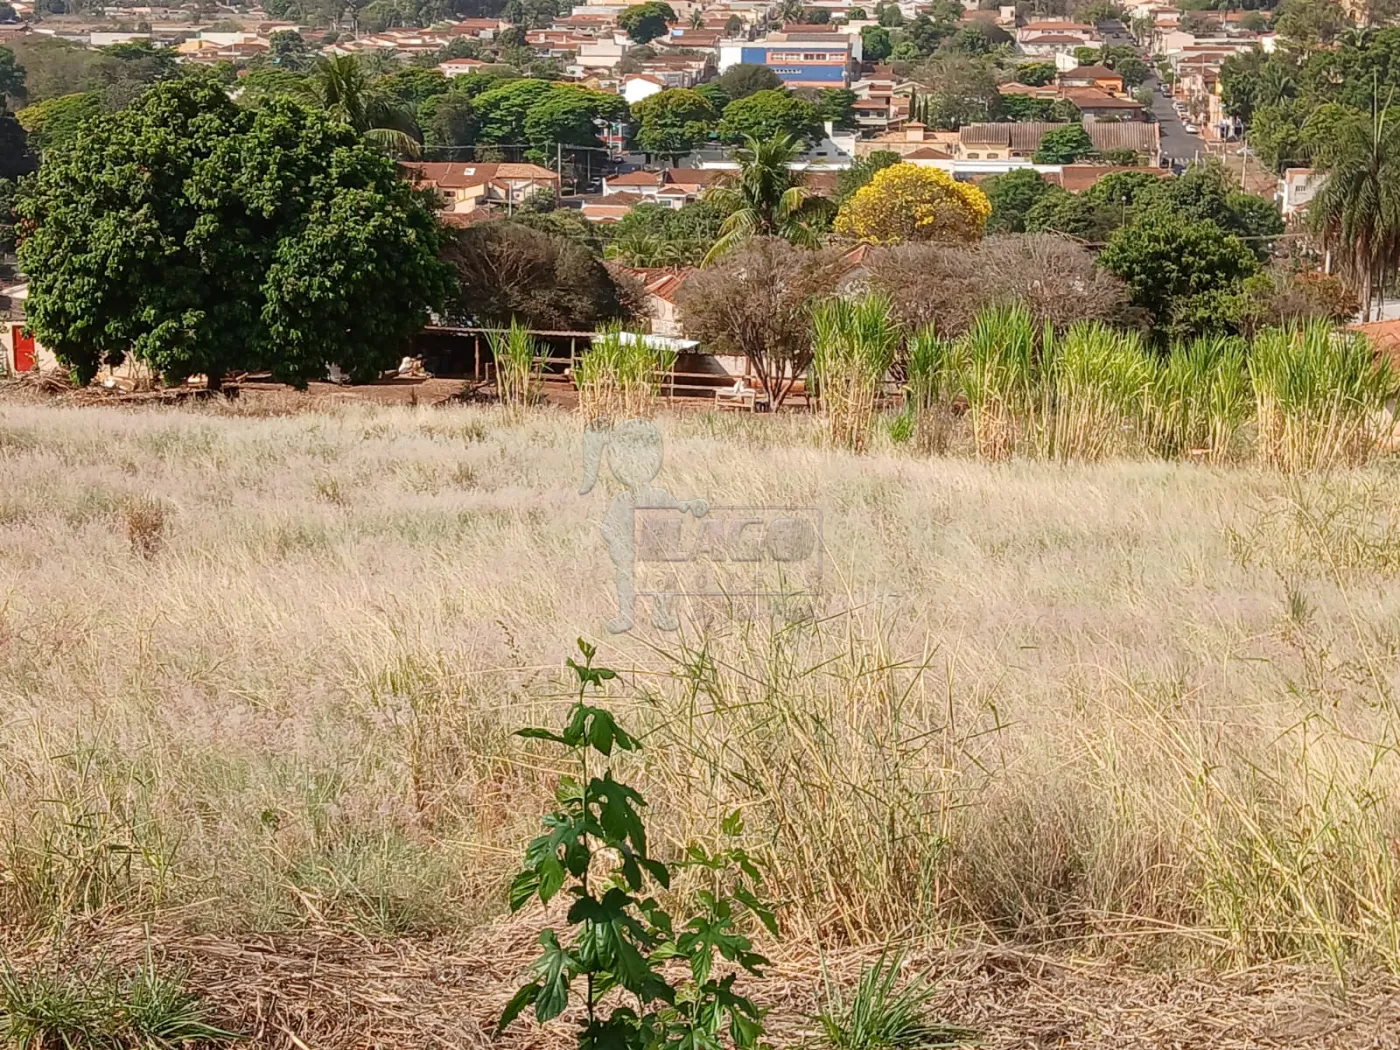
column 1297, row 188
column 639, row 86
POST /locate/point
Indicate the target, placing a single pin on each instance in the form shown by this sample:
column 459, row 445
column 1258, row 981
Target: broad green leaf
column 522, row 888
column 553, row 967
column 761, row 911
column 521, row 999
column 531, row 733
column 551, row 878
column 659, row 872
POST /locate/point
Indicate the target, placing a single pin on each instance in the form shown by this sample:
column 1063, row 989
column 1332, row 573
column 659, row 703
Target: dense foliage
column 272, row 240
column 905, row 202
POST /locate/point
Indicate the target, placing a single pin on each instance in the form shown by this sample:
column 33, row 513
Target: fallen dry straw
column 336, row 991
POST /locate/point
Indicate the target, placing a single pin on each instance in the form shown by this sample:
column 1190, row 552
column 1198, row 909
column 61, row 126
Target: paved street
column 1176, row 143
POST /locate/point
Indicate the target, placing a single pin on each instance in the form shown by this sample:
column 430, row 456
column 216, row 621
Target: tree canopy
column 769, row 114
column 905, row 202
column 507, row 271
column 1178, row 267
column 647, row 21
column 272, row 239
column 1012, row 196
column 1065, row 145
column 673, row 123
column 742, row 80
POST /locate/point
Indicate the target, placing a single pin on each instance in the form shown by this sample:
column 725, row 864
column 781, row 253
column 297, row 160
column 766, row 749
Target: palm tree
column 341, row 86
column 1357, row 210
column 765, row 198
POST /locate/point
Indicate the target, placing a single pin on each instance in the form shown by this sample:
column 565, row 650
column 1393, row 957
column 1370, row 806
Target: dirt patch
column 337, row 991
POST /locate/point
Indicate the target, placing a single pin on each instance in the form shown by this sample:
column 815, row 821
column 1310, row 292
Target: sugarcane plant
column 594, row 849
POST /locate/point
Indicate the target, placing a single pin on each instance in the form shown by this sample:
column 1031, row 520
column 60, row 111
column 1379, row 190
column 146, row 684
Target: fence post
column 476, row 358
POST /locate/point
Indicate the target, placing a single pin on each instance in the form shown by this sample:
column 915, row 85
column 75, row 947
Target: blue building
column 801, row 60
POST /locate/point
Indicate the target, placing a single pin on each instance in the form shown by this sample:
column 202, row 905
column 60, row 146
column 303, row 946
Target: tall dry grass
column 1317, row 392
column 1297, row 399
column 853, row 346
column 620, row 375
column 519, row 362
column 1131, row 708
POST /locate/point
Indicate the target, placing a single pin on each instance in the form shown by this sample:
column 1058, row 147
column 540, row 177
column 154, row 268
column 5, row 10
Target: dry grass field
column 1077, row 735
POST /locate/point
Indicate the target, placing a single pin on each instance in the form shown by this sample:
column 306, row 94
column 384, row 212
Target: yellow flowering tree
column 905, row 202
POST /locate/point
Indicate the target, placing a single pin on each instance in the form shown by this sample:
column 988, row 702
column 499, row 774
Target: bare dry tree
column 755, row 301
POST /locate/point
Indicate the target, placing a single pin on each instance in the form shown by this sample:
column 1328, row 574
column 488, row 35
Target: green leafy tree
column 655, row 235
column 1173, row 264
column 959, row 90
column 1253, row 79
column 343, row 88
column 11, row 77
column 1012, row 196
column 448, row 120
column 414, row 85
column 1129, row 189
column 269, row 239
column 1066, row 145
column 1073, row 215
column 1276, row 135
column 621, row 934
column 260, row 86
column 766, row 198
column 1311, row 23
column 1206, row 191
column 875, row 43
column 673, row 123
column 862, row 171
column 970, row 40
column 56, row 121
column 767, row 115
column 1036, row 74
column 714, row 95
column 733, row 26
column 503, row 107
column 889, row 15
column 745, row 79
column 1357, row 210
column 1132, row 69
column 645, row 22
column 9, row 193
column 288, row 49
column 568, row 115
column 837, row 105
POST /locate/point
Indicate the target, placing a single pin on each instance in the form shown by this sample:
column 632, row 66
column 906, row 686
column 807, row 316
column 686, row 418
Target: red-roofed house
column 463, row 188
column 1100, row 77
column 662, row 286
column 455, row 67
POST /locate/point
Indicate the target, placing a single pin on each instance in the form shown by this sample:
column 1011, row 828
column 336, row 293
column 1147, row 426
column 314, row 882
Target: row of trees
column 1323, row 100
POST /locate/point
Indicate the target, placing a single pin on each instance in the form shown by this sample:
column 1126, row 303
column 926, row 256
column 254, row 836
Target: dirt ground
column 257, row 396
column 332, row 991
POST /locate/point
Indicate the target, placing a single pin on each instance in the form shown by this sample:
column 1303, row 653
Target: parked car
column 1191, row 129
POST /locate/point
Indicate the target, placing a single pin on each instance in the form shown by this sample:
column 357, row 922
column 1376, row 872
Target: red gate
column 24, row 349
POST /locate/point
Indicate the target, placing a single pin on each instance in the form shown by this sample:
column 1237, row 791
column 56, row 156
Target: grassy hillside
column 261, row 674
